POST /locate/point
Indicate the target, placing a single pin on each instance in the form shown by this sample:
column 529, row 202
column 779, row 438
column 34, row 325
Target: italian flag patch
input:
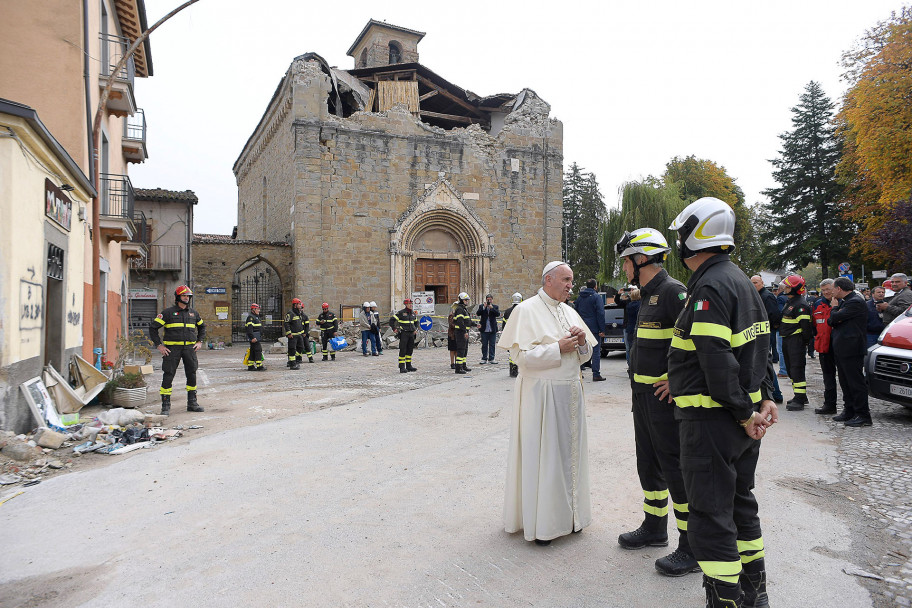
column 682, row 296
column 701, row 305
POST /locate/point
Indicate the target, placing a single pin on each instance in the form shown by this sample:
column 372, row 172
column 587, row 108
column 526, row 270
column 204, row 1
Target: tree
column 584, row 248
column 875, row 128
column 574, row 186
column 804, row 220
column 894, row 238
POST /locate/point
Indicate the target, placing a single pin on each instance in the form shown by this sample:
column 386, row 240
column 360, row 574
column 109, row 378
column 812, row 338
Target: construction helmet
column 366, row 305
column 372, row 304
column 407, row 301
column 254, row 305
column 183, row 290
column 647, row 241
column 516, row 298
column 296, row 301
column 796, row 283
column 463, row 296
column 325, row 306
column 707, row 224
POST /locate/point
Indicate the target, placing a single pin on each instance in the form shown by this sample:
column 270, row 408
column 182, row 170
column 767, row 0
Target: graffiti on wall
column 74, row 316
column 31, row 305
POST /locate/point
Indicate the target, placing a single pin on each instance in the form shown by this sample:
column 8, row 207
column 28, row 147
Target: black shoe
column 597, row 379
column 251, row 368
column 290, row 364
column 841, row 417
column 643, row 537
column 452, row 366
column 375, row 354
column 677, row 563
column 466, row 369
column 777, row 398
column 310, row 360
column 409, row 368
column 794, row 406
column 825, row 410
column 296, row 366
column 858, row 421
column 542, row 543
column 459, row 370
column 402, row 369
column 261, row 368
column 166, row 405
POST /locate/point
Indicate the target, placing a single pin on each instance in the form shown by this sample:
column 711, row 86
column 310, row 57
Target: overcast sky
column 635, row 83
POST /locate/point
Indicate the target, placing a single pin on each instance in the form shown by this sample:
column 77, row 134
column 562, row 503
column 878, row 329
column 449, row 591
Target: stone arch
column 257, row 279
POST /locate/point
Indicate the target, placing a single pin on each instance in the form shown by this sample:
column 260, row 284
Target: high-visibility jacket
column 719, row 362
column 296, row 323
column 796, row 319
column 254, row 326
column 662, row 300
column 183, row 327
column 327, row 321
column 823, row 329
column 404, row 320
column 461, row 319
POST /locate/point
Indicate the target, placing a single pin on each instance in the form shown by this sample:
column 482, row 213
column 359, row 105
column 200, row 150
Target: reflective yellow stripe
column 657, row 511
column 191, row 388
column 757, row 329
column 755, row 397
column 750, row 545
column 787, row 320
column 682, row 524
column 200, row 322
column 173, row 343
column 712, row 330
column 164, row 391
column 746, row 559
column 649, row 379
column 682, row 343
column 157, row 320
column 654, row 334
column 681, row 507
column 696, row 401
column 254, row 325
column 655, row 495
column 724, row 571
column 803, row 318
column 172, row 325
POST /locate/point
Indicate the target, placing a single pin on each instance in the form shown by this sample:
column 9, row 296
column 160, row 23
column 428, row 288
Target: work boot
column 409, row 368
column 643, row 537
column 677, row 563
column 262, row 368
column 310, row 359
column 722, row 595
column 460, row 369
column 192, row 405
column 166, row 405
column 325, row 358
column 296, row 365
column 466, row 369
column 402, row 369
column 299, row 359
column 290, row 364
column 794, row 405
column 753, row 584
column 251, row 368
column 333, row 356
column 514, row 370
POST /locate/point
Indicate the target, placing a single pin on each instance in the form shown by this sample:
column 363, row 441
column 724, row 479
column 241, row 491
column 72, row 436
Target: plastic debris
column 9, row 479
column 195, row 426
column 110, row 448
column 129, row 448
column 88, row 446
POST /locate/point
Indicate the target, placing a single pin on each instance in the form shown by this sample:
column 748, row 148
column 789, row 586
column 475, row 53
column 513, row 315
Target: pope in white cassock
column 547, row 491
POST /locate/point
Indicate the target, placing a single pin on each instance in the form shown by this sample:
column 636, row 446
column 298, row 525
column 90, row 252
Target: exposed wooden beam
column 452, row 117
column 450, row 96
column 428, row 95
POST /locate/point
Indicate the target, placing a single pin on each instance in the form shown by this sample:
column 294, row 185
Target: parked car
column 614, row 327
column 888, row 363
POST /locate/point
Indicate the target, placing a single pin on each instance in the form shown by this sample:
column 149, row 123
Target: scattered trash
column 107, row 449
column 130, row 448
column 195, row 426
column 121, row 417
column 169, row 512
column 9, row 479
column 863, row 574
column 164, row 435
column 33, row 482
column 88, row 446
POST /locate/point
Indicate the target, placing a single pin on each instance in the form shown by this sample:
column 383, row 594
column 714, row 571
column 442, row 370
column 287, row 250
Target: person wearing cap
column 405, row 324
column 184, row 335
column 329, row 328
column 487, row 314
column 297, row 331
column 365, row 321
column 254, row 327
column 375, row 328
column 547, row 487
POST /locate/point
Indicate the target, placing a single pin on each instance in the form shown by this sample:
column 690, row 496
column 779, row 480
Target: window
column 395, row 53
column 363, row 61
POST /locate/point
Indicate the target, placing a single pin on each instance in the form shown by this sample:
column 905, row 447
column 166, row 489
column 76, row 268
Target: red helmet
column 183, row 290
column 408, row 301
column 796, row 282
column 296, row 301
column 325, row 306
column 254, row 305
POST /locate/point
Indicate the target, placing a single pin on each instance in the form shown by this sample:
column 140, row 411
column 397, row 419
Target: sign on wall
column 423, row 302
column 214, row 290
column 143, row 294
column 57, row 205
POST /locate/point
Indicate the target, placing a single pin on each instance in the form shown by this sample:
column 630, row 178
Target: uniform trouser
column 325, row 337
column 296, row 347
column 853, row 384
column 658, row 463
column 256, row 354
column 718, row 461
column 462, row 347
column 406, row 346
column 828, row 369
column 795, row 352
column 170, row 363
column 773, row 350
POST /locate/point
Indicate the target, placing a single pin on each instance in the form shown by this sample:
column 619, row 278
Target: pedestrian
column 591, row 309
column 849, row 319
column 717, row 371
column 901, row 300
column 184, row 335
column 823, row 346
column 487, row 314
column 628, row 298
column 547, row 488
column 329, row 329
column 796, row 330
column 375, row 327
column 405, row 323
column 297, row 332
column 461, row 324
column 256, row 362
column 774, row 316
column 876, row 323
column 655, row 429
column 781, row 301
column 515, row 299
column 365, row 321
column 451, row 336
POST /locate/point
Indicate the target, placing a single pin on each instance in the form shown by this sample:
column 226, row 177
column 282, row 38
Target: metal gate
column 256, row 281
column 142, row 311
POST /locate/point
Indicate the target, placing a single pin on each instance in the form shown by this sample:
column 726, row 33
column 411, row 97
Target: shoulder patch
column 653, row 300
column 682, row 295
column 159, row 316
column 701, row 305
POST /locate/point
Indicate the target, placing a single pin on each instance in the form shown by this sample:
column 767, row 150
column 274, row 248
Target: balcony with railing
column 161, row 257
column 116, row 213
column 121, row 101
column 137, row 247
column 134, row 139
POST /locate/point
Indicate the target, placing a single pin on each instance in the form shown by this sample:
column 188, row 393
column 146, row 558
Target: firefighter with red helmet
column 184, row 335
column 405, row 323
column 328, row 323
column 797, row 332
column 256, row 362
column 297, row 330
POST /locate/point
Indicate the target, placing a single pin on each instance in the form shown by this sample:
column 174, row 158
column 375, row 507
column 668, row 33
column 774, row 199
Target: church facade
column 387, row 179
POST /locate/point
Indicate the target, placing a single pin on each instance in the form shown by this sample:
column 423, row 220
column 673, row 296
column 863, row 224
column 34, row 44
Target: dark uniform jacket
column 461, row 319
column 719, row 356
column 772, row 307
column 591, row 309
column 327, row 321
column 296, row 323
column 506, row 315
column 183, row 327
column 849, row 321
column 796, row 320
column 254, row 327
column 404, row 320
column 662, row 300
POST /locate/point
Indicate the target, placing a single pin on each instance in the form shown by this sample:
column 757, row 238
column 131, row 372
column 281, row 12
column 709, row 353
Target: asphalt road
column 396, row 501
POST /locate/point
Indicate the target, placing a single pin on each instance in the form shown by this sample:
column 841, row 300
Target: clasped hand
column 576, row 338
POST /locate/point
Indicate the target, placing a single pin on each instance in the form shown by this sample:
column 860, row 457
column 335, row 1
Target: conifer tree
column 574, row 186
column 584, row 251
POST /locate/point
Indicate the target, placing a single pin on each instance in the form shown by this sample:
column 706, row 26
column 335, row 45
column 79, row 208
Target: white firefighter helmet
column 706, row 224
column 372, row 304
column 516, row 298
column 647, row 241
column 463, row 296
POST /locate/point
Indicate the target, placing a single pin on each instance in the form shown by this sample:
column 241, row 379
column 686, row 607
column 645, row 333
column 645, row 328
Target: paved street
column 349, row 484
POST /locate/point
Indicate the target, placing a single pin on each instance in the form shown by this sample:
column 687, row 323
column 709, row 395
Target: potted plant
column 125, row 390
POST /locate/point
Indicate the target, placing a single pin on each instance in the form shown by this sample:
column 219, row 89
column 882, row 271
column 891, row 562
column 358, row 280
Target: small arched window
column 363, row 61
column 395, row 54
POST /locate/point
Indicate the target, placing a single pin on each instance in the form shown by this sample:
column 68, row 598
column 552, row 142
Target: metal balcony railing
column 161, row 257
column 135, row 126
column 117, row 196
column 112, row 49
column 141, row 234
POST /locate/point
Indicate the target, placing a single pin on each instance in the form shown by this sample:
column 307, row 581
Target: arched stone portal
column 439, row 242
column 256, row 280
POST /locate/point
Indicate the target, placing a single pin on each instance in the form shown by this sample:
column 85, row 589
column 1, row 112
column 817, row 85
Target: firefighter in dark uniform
column 184, row 335
column 654, row 425
column 516, row 299
column 254, row 325
column 462, row 322
column 405, row 323
column 719, row 375
column 297, row 331
column 796, row 329
column 329, row 327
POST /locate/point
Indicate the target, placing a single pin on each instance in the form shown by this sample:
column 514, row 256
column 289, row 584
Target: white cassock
column 547, row 491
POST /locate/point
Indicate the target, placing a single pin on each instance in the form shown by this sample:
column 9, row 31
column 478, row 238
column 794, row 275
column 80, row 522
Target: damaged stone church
column 387, row 179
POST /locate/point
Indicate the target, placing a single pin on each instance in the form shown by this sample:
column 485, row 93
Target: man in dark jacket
column 849, row 320
column 591, row 308
column 875, row 317
column 775, row 316
column 487, row 314
column 184, row 335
